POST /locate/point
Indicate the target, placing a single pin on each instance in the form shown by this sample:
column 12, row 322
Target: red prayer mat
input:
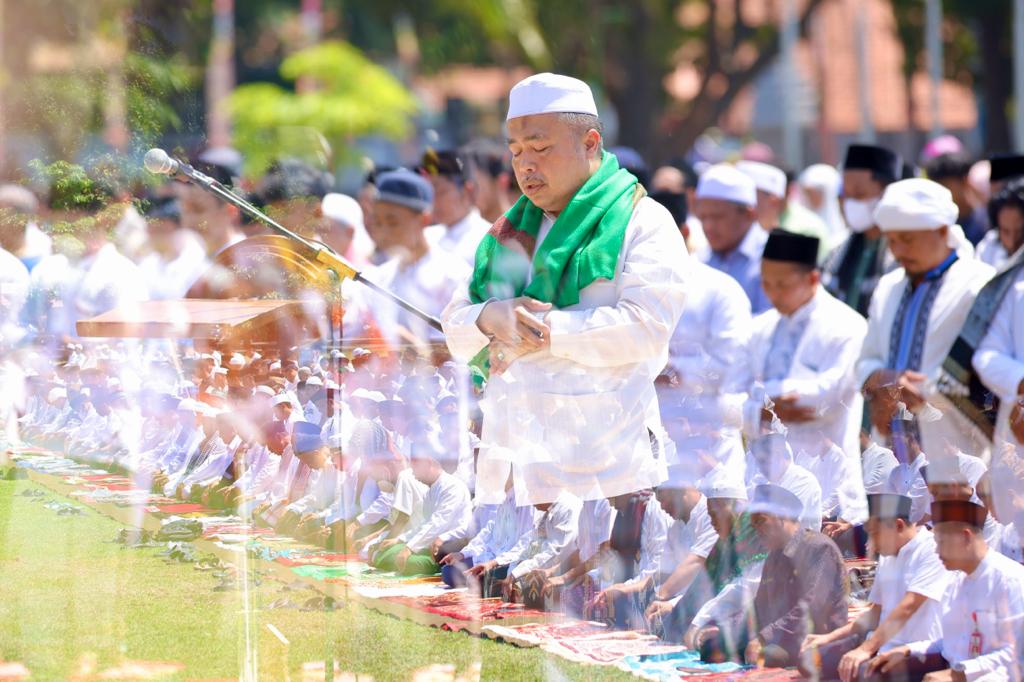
column 609, row 648
column 761, row 675
column 459, row 606
column 183, row 508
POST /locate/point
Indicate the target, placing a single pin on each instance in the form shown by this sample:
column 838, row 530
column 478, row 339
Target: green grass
column 67, row 590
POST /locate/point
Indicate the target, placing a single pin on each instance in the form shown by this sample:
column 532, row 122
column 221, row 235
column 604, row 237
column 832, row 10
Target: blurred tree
column 353, row 97
column 977, row 47
column 628, row 48
column 84, row 68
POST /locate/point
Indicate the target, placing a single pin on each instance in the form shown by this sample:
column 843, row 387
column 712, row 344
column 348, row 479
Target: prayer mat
column 318, row 559
column 608, row 649
column 464, row 607
column 535, row 634
column 675, row 665
column 182, row 508
column 754, row 675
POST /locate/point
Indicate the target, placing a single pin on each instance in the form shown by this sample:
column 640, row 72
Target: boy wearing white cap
column 574, row 295
column 915, row 316
column 726, row 206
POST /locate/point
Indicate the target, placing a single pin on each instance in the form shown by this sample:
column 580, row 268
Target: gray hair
column 581, row 123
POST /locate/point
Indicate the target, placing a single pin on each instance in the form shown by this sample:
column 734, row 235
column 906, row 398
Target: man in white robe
column 570, row 399
column 460, row 227
column 916, row 314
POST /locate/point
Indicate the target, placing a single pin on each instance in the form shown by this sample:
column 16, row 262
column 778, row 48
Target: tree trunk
column 996, row 80
column 634, row 80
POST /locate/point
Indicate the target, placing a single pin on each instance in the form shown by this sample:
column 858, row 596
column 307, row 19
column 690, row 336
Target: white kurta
column 578, row 416
column 510, row 523
column 708, row 359
column 990, row 601
column 842, row 485
column 447, row 514
column 102, row 282
column 171, row 278
column 428, row 284
column 915, row 568
column 462, row 238
column 683, row 538
column 821, row 374
column 551, row 541
column 960, row 286
column 999, row 360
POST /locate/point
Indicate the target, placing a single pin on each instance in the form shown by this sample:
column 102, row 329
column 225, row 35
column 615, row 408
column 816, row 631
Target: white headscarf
column 825, row 179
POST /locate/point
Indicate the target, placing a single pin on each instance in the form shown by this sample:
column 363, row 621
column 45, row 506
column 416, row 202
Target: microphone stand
column 332, row 261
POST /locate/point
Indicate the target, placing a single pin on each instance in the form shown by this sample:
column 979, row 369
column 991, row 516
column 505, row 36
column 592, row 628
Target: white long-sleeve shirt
column 462, row 238
column 821, row 373
column 549, row 542
column 653, row 543
column 989, row 601
column 708, row 358
column 509, row 523
column 842, row 488
column 447, row 514
column 604, row 355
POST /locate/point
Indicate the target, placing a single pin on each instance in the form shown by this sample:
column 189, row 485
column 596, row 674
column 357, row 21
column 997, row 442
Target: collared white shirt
column 604, row 355
column 915, row 568
column 960, row 285
column 510, row 523
column 990, row 602
column 462, row 238
column 447, row 514
column 683, row 538
column 991, row 251
column 171, row 278
column 101, row 282
column 429, row 284
column 551, row 541
column 823, row 341
column 842, row 490
column 596, row 520
column 654, row 540
column 708, row 356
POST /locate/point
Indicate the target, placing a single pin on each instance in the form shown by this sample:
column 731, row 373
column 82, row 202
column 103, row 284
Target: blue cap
column 405, row 188
column 777, row 501
column 306, row 438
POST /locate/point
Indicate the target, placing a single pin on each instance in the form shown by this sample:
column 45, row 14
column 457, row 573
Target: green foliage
column 353, row 97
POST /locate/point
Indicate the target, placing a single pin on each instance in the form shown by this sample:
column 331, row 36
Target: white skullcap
column 275, row 365
column 766, row 177
column 113, row 382
column 332, row 386
column 220, row 370
column 265, row 390
column 726, row 182
column 337, row 353
column 56, row 394
column 314, row 381
column 206, row 356
column 282, row 398
column 237, row 360
column 343, row 209
column 550, row 93
column 820, row 176
column 719, row 483
column 375, row 396
column 917, row 205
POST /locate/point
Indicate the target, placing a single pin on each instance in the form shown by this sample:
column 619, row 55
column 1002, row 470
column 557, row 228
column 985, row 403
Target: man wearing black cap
column 802, row 591
column 982, row 608
column 803, row 352
column 905, row 597
column 1002, row 169
column 460, row 227
column 855, row 266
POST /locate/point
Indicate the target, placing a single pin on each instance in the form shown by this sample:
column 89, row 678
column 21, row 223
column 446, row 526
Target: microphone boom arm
column 324, row 255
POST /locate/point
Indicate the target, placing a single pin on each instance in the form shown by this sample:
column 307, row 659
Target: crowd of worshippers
column 843, row 382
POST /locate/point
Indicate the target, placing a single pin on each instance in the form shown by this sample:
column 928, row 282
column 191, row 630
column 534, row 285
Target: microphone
column 159, row 162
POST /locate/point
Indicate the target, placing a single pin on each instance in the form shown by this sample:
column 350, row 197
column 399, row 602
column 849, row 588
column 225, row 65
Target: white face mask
column 859, row 214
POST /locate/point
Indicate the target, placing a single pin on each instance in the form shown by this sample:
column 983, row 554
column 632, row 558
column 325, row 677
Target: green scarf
column 583, row 245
